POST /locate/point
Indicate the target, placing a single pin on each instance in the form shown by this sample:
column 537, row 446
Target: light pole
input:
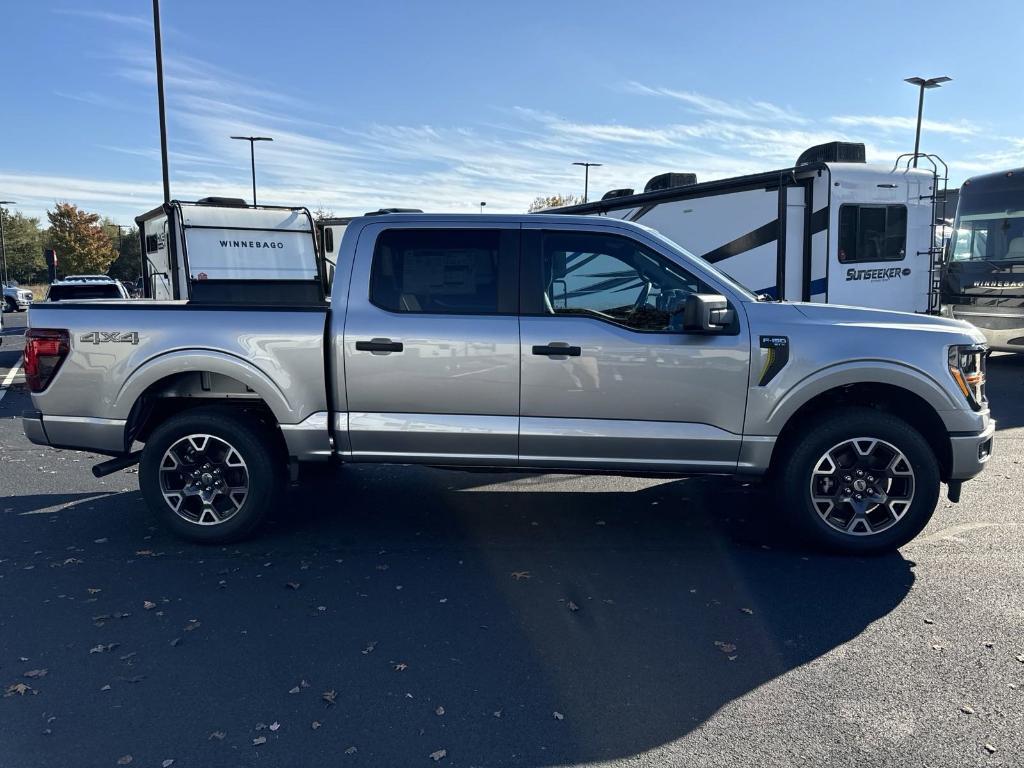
column 482, row 204
column 160, row 98
column 252, row 156
column 922, row 84
column 3, row 243
column 586, row 176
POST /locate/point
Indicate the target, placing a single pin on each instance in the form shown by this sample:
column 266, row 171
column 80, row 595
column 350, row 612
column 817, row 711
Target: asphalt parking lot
column 394, row 616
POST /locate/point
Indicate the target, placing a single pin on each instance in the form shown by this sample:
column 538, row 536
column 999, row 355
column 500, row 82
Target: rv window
column 152, row 244
column 445, row 271
column 614, row 279
column 872, row 233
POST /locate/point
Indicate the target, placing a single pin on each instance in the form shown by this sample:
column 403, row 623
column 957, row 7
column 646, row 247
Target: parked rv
column 983, row 280
column 831, row 229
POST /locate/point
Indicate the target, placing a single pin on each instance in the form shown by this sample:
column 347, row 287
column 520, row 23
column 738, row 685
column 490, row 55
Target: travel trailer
column 830, row 229
column 983, row 280
column 221, row 250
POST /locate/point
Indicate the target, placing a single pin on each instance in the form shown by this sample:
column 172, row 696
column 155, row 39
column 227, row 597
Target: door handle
column 379, row 346
column 557, row 349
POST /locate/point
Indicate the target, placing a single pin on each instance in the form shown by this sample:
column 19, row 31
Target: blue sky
column 439, row 105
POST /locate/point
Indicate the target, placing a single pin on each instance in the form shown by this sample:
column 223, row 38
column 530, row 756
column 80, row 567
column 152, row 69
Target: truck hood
column 835, row 314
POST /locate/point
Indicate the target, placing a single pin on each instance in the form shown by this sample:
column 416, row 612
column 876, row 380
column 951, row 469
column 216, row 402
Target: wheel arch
column 888, row 398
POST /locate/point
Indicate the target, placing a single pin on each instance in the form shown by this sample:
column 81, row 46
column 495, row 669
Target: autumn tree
column 554, row 201
column 24, row 247
column 82, row 245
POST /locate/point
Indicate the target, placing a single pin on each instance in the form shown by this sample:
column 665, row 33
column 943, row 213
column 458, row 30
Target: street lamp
column 3, row 243
column 922, row 83
column 482, row 204
column 252, row 156
column 586, row 176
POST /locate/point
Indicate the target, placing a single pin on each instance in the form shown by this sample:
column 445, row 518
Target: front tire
column 861, row 482
column 211, row 474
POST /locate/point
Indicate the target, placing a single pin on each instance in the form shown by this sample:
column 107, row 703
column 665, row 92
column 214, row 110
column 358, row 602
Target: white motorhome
column 221, row 250
column 831, row 229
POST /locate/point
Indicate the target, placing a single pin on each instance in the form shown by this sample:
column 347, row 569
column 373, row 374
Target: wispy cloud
column 122, row 19
column 752, row 111
column 890, row 123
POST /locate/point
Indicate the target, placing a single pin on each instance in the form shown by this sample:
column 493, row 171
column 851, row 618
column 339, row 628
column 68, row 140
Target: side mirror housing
column 707, row 312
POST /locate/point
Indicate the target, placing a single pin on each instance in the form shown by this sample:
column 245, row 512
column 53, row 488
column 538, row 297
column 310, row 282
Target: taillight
column 45, row 350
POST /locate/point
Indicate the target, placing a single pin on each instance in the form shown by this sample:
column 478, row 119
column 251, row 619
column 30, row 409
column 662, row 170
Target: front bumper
column 971, row 452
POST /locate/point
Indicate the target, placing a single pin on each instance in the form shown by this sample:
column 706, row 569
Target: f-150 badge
column 110, row 337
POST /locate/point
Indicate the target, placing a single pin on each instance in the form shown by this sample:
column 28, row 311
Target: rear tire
column 212, row 474
column 861, row 482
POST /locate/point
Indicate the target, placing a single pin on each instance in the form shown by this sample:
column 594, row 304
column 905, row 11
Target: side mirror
column 707, row 312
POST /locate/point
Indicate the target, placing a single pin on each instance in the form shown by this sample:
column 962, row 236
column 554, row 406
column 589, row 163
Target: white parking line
column 10, row 377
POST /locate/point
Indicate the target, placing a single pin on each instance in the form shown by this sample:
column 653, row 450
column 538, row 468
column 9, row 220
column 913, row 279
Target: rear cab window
column 84, row 291
column 446, row 271
column 872, row 233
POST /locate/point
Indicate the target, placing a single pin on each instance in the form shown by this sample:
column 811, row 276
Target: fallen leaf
column 967, row 710
column 400, row 666
column 294, row 689
column 144, row 552
column 369, row 647
column 929, row 621
column 725, row 647
column 558, row 715
column 32, row 673
column 293, row 585
column 435, row 756
column 124, row 760
column 19, row 688
column 572, row 606
column 988, row 644
column 520, row 575
column 497, row 713
column 103, row 647
column 259, row 740
column 93, row 590
column 1020, row 658
column 315, row 725
column 439, row 711
column 167, row 763
column 148, row 605
column 748, row 611
column 351, row 751
column 331, row 696
column 274, row 726
column 105, row 688
column 175, row 642
column 193, row 624
column 218, row 735
column 990, row 749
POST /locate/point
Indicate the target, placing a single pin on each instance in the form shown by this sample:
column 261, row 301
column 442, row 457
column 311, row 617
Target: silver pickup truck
column 540, row 342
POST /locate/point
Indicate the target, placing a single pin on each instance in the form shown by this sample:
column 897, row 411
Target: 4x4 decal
column 110, row 337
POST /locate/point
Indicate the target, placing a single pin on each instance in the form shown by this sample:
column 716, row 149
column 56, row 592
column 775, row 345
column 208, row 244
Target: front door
column 610, row 379
column 431, row 346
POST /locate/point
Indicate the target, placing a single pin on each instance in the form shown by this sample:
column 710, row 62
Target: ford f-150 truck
column 539, row 342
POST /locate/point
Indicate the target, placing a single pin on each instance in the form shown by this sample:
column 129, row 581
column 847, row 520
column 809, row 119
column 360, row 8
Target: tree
column 554, row 201
column 24, row 247
column 82, row 246
column 127, row 266
column 320, row 213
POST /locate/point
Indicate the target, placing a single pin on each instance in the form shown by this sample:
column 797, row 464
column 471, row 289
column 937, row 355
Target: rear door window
column 872, row 233
column 446, row 271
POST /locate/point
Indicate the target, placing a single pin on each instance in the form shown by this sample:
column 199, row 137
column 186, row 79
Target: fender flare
column 885, row 372
column 185, row 360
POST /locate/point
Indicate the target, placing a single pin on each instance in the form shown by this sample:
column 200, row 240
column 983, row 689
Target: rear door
column 610, row 378
column 431, row 345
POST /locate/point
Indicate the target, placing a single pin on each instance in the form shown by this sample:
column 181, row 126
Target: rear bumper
column 77, row 433
column 971, row 452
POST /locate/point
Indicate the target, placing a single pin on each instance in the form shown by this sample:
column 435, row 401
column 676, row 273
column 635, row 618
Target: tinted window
column 84, row 291
column 443, row 271
column 872, row 233
column 614, row 279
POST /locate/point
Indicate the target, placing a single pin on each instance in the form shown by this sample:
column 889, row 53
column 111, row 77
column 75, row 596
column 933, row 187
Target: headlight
column 967, row 367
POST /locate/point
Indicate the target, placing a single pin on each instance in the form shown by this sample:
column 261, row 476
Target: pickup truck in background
column 534, row 342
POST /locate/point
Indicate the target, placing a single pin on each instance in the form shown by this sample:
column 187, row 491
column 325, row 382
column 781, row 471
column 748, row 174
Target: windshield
column 990, row 226
column 84, row 291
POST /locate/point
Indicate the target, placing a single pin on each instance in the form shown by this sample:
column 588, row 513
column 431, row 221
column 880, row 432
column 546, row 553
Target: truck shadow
column 635, row 609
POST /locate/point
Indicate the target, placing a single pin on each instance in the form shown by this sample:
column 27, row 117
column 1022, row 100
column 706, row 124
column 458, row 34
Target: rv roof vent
column 613, row 193
column 670, row 180
column 381, row 211
column 833, row 152
column 225, row 202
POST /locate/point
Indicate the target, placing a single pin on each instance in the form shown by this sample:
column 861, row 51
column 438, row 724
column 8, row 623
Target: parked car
column 16, row 299
column 540, row 342
column 77, row 287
